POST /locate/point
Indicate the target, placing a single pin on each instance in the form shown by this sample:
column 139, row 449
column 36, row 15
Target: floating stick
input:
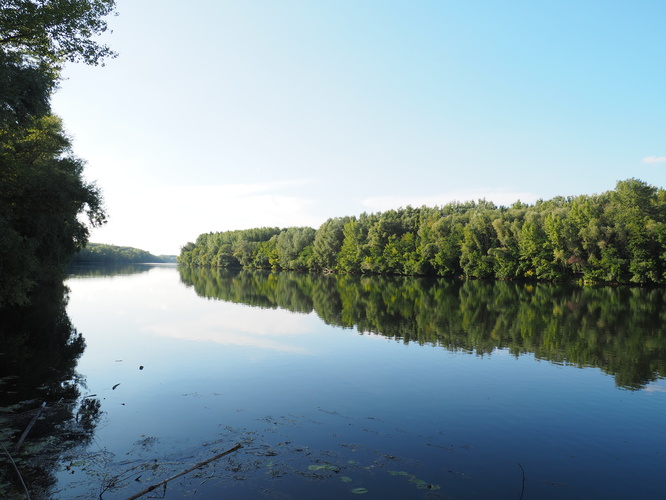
column 27, row 494
column 194, row 467
column 523, row 489
column 27, row 429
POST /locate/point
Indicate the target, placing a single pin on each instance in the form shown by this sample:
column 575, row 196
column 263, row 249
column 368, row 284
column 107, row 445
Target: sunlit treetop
column 56, row 31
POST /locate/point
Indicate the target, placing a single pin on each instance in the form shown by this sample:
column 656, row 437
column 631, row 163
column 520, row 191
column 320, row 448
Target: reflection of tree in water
column 617, row 329
column 107, row 270
column 39, row 349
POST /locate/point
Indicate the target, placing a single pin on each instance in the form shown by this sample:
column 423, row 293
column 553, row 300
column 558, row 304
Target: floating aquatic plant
column 419, row 483
column 324, row 466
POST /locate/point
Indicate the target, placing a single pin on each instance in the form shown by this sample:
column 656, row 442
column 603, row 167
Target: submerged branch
column 194, row 467
column 27, row 429
column 522, row 491
column 27, row 493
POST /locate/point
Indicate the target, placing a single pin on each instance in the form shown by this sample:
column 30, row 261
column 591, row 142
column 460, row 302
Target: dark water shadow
column 42, row 411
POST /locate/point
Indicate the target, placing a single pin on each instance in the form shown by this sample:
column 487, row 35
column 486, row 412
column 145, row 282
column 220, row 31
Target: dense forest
column 112, row 254
column 46, row 206
column 618, row 236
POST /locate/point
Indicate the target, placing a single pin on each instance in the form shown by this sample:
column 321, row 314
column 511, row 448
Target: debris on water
column 271, row 452
column 461, row 474
column 324, row 466
column 146, row 441
column 114, row 387
column 419, row 483
column 399, row 473
column 141, row 367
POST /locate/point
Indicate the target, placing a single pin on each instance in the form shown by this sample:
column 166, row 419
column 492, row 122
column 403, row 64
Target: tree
column 351, row 250
column 506, row 256
column 291, row 245
column 42, row 194
column 479, row 237
column 443, row 244
column 327, row 243
column 42, row 191
column 632, row 210
column 55, row 31
column 534, row 247
column 25, row 90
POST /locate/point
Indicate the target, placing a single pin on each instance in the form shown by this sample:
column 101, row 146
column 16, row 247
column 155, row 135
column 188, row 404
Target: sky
column 220, row 115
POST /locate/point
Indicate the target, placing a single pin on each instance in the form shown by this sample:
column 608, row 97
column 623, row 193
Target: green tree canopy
column 42, row 194
column 46, row 206
column 25, row 90
column 618, row 236
column 55, row 31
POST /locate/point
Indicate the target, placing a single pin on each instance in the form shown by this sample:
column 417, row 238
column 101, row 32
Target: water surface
column 379, row 387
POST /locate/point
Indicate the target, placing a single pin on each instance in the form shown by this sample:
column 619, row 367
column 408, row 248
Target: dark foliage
column 46, row 206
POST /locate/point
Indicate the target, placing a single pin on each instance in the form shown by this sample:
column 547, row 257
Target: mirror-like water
column 345, row 386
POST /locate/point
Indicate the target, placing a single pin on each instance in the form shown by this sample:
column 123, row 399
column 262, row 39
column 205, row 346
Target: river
column 338, row 387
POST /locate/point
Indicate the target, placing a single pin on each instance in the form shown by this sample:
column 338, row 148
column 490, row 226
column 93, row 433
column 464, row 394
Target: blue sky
column 221, row 115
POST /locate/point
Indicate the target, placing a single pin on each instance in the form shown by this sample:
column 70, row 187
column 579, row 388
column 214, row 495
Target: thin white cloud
column 499, row 197
column 654, row 159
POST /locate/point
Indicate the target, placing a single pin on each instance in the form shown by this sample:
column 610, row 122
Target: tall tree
column 42, row 194
column 351, row 250
column 291, row 245
column 327, row 243
column 25, row 90
column 56, row 31
column 46, row 207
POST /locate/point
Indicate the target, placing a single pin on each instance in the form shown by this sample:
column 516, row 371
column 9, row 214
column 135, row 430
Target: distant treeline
column 107, row 254
column 618, row 236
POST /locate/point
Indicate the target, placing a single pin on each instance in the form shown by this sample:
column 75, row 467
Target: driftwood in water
column 25, row 488
column 27, row 429
column 523, row 489
column 194, row 467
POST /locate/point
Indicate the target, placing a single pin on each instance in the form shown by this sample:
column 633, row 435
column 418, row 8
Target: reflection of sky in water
column 210, row 364
column 657, row 386
column 269, row 329
column 155, row 307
